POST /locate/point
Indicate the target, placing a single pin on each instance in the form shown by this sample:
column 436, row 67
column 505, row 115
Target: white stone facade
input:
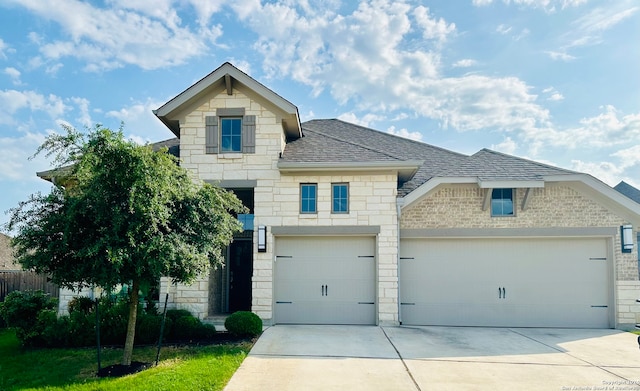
column 372, row 202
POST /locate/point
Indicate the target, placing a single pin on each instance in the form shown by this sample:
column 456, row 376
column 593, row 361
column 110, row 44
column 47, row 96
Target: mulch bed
column 118, row 370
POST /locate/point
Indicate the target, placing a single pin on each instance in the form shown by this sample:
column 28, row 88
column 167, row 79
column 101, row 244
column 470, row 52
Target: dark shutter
column 249, row 134
column 211, row 134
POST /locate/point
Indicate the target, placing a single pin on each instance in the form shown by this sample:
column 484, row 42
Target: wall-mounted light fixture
column 262, row 239
column 626, row 235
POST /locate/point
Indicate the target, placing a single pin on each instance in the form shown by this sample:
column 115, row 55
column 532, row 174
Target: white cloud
column 15, row 163
column 506, row 146
column 139, row 121
column 433, row 28
column 503, row 29
column 417, row 136
column 14, row 74
column 607, row 172
column 367, row 120
column 465, row 63
column 589, row 29
column 629, row 157
column 547, row 5
column 3, row 49
column 84, row 118
column 556, row 97
column 11, row 101
column 369, row 58
column 606, row 130
column 147, row 34
column 560, row 56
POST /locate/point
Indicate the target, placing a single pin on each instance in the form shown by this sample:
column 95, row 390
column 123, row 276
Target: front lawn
column 180, row 368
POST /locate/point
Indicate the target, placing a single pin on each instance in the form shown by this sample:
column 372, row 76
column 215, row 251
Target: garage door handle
column 322, row 290
column 502, row 293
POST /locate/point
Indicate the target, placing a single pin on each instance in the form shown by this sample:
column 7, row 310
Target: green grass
column 180, row 368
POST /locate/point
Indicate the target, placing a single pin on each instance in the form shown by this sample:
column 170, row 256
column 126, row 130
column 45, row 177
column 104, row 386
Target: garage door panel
column 325, row 280
column 559, row 282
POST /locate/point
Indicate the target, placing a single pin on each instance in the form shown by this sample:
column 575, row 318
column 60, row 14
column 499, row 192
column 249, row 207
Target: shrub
column 20, row 310
column 175, row 314
column 189, row 328
column 243, row 324
column 148, row 328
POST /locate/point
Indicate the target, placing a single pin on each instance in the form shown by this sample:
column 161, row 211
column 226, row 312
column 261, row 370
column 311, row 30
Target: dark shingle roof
column 173, row 144
column 628, row 190
column 491, row 165
column 332, row 140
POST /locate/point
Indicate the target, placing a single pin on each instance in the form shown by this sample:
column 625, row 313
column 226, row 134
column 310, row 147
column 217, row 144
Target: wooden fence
column 25, row 281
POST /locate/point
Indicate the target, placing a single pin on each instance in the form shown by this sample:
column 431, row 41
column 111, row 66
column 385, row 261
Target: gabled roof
column 226, row 77
column 495, row 169
column 331, row 143
column 628, row 190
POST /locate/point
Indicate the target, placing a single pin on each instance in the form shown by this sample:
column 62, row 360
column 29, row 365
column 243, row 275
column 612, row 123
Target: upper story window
column 502, row 202
column 309, row 198
column 339, row 198
column 230, row 131
column 230, row 135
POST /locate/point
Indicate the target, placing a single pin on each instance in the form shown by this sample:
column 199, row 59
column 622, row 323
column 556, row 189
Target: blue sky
column 551, row 80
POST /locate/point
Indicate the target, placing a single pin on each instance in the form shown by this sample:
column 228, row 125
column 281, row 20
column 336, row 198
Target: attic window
column 502, row 202
column 230, row 131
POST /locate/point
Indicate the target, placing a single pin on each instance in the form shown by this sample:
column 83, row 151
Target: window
column 230, row 131
column 231, row 135
column 502, row 202
column 308, row 198
column 339, row 198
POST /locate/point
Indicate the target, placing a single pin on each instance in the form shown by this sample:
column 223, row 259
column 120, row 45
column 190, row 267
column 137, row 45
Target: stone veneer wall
column 276, row 203
column 555, row 205
column 372, row 202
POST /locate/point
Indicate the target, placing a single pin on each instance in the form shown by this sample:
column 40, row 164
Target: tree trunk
column 131, row 325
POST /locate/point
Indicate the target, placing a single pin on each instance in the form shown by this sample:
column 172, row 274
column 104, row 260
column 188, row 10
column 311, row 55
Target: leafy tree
column 121, row 213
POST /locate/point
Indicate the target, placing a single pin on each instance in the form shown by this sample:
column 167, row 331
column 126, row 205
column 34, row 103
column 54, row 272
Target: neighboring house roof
column 223, row 78
column 172, row 144
column 628, row 190
column 6, row 256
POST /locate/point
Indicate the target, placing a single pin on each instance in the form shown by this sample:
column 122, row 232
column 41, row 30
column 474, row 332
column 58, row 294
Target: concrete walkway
column 425, row 358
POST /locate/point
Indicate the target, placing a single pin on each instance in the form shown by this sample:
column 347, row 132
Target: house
column 348, row 225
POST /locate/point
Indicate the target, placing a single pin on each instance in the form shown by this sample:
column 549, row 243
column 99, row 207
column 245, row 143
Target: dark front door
column 240, row 271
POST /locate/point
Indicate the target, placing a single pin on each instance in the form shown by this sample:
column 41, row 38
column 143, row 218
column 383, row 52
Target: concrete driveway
column 442, row 358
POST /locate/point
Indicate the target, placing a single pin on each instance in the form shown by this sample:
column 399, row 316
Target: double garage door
column 325, row 280
column 506, row 282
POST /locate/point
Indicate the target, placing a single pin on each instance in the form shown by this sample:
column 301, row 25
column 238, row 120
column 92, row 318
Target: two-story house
column 349, row 225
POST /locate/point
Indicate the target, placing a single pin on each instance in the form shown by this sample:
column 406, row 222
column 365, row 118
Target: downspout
column 399, row 204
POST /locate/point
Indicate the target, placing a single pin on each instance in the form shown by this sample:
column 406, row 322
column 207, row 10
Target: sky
column 557, row 81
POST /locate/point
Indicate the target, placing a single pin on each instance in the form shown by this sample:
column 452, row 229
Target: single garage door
column 325, row 280
column 505, row 282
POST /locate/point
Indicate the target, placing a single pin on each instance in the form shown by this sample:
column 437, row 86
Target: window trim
column 231, row 118
column 333, row 197
column 315, row 199
column 513, row 203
